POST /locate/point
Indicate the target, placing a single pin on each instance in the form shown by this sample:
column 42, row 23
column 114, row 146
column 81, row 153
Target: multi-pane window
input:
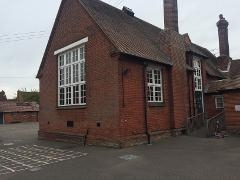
column 154, row 78
column 219, row 101
column 71, row 77
column 197, row 74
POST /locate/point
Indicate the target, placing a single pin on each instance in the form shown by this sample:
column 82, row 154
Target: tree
column 3, row 96
column 24, row 96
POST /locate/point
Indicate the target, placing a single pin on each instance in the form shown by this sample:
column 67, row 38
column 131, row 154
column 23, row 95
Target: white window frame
column 154, row 85
column 197, row 74
column 217, row 103
column 76, row 60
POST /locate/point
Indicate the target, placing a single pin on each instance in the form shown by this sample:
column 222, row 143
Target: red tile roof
column 130, row 35
column 224, row 85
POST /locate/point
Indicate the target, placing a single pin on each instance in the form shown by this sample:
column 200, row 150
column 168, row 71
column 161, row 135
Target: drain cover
column 35, row 169
column 129, row 157
column 8, row 144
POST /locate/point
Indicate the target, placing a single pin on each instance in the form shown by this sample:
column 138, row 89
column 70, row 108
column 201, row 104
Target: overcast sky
column 26, row 25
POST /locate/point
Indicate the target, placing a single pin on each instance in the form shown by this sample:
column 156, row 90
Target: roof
column 195, row 48
column 130, row 35
column 224, row 85
column 211, row 60
column 12, row 106
column 234, row 68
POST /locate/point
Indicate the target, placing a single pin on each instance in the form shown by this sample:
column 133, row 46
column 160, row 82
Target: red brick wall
column 132, row 102
column 102, row 79
column 159, row 117
column 132, row 98
column 20, row 117
column 177, row 53
column 232, row 117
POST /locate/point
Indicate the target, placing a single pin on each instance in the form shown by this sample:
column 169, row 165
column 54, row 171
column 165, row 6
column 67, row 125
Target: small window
column 197, row 74
column 219, row 101
column 154, row 79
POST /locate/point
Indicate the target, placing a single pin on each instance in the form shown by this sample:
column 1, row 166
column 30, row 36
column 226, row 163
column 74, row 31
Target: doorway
column 1, row 118
column 199, row 101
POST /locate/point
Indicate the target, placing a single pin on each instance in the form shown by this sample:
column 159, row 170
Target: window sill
column 71, row 107
column 156, row 104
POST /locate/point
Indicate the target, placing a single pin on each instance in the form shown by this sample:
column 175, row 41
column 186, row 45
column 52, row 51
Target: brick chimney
column 224, row 59
column 171, row 15
column 222, row 25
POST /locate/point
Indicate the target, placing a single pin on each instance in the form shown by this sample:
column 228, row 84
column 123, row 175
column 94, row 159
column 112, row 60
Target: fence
column 195, row 122
column 215, row 124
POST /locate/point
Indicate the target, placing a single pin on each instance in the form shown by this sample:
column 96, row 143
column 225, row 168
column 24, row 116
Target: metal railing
column 215, row 124
column 195, row 122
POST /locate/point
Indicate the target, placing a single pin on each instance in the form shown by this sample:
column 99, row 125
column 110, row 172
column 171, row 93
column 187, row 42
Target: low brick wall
column 18, row 117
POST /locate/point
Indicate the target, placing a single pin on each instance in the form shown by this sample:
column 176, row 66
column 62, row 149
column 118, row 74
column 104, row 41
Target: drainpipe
column 145, row 103
column 189, row 93
column 171, row 103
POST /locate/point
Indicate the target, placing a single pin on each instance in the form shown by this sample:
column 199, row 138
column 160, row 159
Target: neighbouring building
column 14, row 111
column 110, row 78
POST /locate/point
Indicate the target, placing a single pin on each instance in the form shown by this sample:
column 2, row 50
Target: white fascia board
column 70, row 46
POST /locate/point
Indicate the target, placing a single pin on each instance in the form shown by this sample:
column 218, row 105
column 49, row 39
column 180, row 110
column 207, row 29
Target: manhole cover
column 35, row 169
column 129, row 157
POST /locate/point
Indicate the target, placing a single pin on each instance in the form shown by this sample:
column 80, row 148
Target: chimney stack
column 171, row 15
column 222, row 25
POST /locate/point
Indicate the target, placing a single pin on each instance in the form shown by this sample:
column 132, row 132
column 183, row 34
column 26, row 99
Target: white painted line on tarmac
column 7, row 168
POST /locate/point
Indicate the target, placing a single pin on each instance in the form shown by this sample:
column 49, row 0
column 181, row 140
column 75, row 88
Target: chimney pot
column 222, row 25
column 128, row 11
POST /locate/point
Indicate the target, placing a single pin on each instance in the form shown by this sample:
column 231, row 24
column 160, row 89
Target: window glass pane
column 82, row 71
column 150, row 76
column 62, row 96
column 75, row 55
column 68, row 57
column 68, row 95
column 75, row 73
column 81, row 53
column 76, row 94
column 219, row 102
column 157, row 76
column 150, row 93
column 83, row 93
column 68, row 75
column 61, row 60
column 157, row 94
column 61, row 77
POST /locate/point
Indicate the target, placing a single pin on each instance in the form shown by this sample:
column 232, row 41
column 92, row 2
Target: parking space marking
column 32, row 156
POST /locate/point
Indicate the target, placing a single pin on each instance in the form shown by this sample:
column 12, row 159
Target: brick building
column 17, row 110
column 13, row 112
column 117, row 80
